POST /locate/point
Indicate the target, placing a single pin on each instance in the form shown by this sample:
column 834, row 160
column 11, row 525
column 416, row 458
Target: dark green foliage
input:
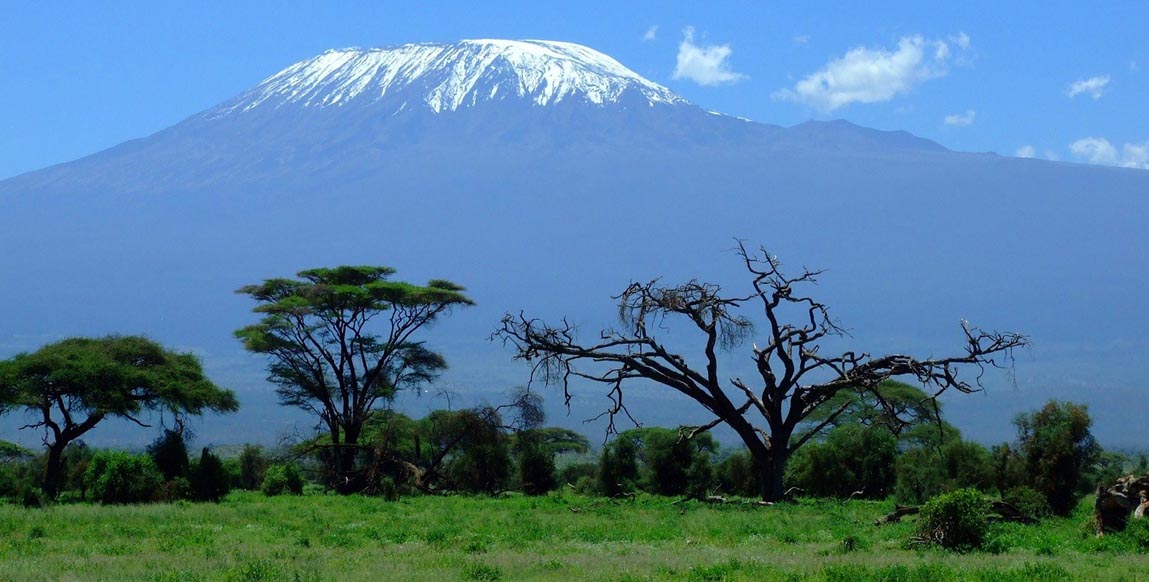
column 892, row 405
column 1109, row 466
column 1029, row 501
column 853, row 458
column 331, row 356
column 72, row 385
column 536, row 464
column 675, row 465
column 252, row 466
column 282, row 478
column 583, row 477
column 955, row 520
column 1058, row 447
column 925, row 472
column 209, row 480
column 466, row 450
column 736, row 475
column 1007, row 467
column 170, row 453
column 119, row 477
column 20, row 469
column 618, row 467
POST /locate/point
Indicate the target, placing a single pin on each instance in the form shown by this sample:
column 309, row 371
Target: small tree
column 853, row 458
column 765, row 413
column 342, row 341
column 71, row 385
column 170, row 453
column 252, row 466
column 1058, row 448
column 209, row 481
column 118, row 477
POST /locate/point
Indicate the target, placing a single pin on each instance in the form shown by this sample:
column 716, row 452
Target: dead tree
column 765, row 412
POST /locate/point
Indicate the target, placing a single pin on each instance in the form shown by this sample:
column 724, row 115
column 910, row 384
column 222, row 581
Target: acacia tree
column 794, row 377
column 341, row 341
column 71, row 385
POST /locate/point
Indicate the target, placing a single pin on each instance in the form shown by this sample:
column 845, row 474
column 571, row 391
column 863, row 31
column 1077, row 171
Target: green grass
column 250, row 537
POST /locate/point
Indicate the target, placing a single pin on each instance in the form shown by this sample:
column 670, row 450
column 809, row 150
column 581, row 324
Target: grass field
column 561, row 537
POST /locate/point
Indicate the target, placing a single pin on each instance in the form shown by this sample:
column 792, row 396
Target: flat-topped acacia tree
column 341, row 341
column 794, row 377
column 68, row 387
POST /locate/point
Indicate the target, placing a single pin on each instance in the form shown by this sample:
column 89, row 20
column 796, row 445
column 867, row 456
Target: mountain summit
column 447, row 77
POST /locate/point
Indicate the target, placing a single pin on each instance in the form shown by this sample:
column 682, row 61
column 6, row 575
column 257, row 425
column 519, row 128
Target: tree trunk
column 772, row 469
column 54, row 470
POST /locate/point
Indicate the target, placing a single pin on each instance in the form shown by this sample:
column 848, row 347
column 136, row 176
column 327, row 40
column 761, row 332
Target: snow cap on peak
column 449, row 76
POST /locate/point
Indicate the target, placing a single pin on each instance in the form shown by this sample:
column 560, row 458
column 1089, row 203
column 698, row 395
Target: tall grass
column 559, row 537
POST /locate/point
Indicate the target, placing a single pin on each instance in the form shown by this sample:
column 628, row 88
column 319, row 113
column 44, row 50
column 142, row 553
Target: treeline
column 495, row 450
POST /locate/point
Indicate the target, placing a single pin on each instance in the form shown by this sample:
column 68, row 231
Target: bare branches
column 788, row 351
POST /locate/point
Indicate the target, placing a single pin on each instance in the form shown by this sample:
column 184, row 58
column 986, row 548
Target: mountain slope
column 551, row 207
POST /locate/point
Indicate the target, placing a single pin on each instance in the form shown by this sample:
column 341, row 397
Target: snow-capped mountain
column 445, row 77
column 544, row 176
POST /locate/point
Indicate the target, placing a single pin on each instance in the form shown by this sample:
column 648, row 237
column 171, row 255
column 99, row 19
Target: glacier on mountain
column 449, row 76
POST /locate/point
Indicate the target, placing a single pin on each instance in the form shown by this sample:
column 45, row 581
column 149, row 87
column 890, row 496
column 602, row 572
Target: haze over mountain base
column 552, row 208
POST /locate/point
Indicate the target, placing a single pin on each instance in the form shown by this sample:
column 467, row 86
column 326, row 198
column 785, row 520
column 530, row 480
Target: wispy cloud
column 705, row 65
column 865, row 75
column 1026, row 151
column 1098, row 150
column 960, row 120
column 801, row 39
column 1094, row 87
column 651, row 34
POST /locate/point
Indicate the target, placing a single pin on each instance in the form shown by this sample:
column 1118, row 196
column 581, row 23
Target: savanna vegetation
column 843, row 473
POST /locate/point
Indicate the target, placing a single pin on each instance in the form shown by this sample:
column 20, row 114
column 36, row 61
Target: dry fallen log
column 900, row 511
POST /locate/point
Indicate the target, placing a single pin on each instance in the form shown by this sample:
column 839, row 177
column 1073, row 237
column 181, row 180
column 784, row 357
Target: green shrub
column 955, row 521
column 1028, row 500
column 209, row 479
column 252, row 466
column 852, row 458
column 119, row 477
column 1137, row 532
column 170, row 453
column 280, row 479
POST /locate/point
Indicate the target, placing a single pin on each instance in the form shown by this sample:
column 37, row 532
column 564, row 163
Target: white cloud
column 962, row 120
column 1026, row 151
column 1133, row 66
column 705, row 65
column 1093, row 86
column 961, row 39
column 1098, row 150
column 651, row 34
column 801, row 39
column 866, row 75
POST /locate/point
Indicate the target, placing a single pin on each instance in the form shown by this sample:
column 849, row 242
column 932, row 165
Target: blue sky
column 1054, row 80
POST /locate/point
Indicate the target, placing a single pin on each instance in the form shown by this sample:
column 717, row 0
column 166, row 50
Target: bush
column 280, row 479
column 252, row 466
column 170, row 453
column 736, row 475
column 955, row 521
column 1028, row 500
column 853, row 458
column 118, row 477
column 1058, row 448
column 923, row 473
column 618, row 467
column 209, row 480
column 536, row 466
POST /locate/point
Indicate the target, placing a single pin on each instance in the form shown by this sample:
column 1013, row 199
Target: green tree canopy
column 68, row 387
column 341, row 340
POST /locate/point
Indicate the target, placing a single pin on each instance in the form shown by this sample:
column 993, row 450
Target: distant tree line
column 342, row 344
